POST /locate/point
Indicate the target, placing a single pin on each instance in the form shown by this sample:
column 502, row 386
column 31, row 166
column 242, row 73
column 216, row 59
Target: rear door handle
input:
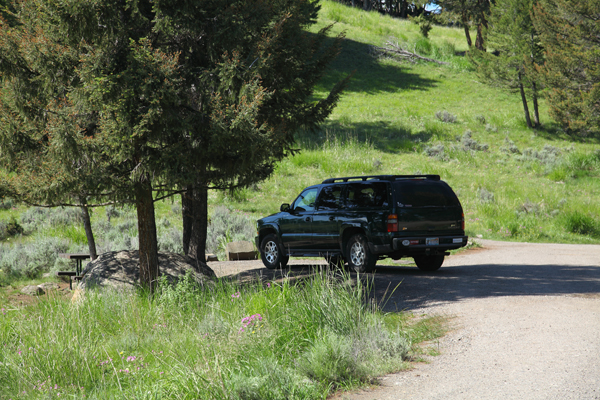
column 307, row 219
column 332, row 218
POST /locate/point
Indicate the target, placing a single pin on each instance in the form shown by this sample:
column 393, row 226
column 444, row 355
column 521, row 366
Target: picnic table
column 73, row 275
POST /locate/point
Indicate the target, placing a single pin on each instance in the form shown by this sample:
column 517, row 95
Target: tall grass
column 273, row 340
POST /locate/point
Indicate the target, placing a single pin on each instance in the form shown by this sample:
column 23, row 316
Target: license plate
column 432, row 241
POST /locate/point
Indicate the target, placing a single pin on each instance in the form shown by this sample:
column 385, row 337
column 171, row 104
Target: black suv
column 361, row 219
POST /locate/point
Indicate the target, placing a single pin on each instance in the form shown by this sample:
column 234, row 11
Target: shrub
column 36, row 217
column 529, row 207
column 10, row 229
column 510, row 147
column 491, row 128
column 579, row 223
column 331, row 359
column 445, row 116
column 436, row 151
column 7, row 204
column 226, row 226
column 32, row 259
column 485, row 196
column 470, row 144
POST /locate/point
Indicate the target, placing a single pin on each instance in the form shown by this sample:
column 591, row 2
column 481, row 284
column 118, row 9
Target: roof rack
column 382, row 178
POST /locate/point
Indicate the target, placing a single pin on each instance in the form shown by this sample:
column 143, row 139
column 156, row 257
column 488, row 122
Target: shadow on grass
column 405, row 288
column 384, row 136
column 370, row 75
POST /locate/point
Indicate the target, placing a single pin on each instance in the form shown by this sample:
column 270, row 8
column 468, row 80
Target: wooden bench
column 77, row 274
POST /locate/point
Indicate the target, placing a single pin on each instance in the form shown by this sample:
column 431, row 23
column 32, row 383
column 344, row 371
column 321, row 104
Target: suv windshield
column 423, row 193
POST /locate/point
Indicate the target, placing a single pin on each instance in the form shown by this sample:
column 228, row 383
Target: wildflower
column 131, row 358
column 236, row 295
column 268, row 285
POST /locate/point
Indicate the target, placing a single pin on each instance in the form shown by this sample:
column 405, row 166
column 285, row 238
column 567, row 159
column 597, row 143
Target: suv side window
column 306, row 200
column 330, row 198
column 367, row 195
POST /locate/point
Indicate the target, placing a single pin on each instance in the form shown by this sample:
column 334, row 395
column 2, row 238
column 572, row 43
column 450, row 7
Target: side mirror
column 285, row 207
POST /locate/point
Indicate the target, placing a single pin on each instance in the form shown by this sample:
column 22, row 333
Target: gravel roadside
column 525, row 322
column 526, row 325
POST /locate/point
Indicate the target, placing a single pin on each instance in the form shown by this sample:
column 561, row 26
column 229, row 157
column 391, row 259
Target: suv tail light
column 392, row 223
column 462, row 222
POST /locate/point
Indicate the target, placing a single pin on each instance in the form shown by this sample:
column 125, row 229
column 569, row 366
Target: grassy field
column 397, row 117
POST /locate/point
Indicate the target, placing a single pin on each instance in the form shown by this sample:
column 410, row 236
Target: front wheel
column 359, row 256
column 271, row 253
column 429, row 263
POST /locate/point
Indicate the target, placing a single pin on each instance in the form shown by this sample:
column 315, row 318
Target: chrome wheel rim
column 357, row 254
column 271, row 252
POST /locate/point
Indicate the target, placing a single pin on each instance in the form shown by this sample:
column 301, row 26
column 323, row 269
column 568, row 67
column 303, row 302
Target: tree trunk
column 524, row 99
column 197, row 246
column 367, row 5
column 87, row 226
column 147, row 235
column 536, row 111
column 479, row 39
column 465, row 22
column 187, row 207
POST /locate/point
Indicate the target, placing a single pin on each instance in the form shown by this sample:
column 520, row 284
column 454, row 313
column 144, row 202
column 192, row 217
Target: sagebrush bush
column 485, row 196
column 35, row 218
column 227, row 226
column 510, row 147
column 32, row 259
column 436, row 151
column 445, row 116
column 470, row 144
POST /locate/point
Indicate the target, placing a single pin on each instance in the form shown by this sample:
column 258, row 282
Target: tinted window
column 329, row 198
column 421, row 193
column 306, row 200
column 367, row 195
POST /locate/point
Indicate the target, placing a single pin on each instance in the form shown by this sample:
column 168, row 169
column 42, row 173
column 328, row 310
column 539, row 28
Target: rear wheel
column 429, row 263
column 271, row 253
column 359, row 256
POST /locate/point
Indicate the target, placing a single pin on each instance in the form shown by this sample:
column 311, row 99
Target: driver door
column 296, row 229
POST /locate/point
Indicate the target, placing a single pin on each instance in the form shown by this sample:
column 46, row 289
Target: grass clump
column 261, row 340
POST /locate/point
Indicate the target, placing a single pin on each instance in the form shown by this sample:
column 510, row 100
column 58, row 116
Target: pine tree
column 570, row 32
column 159, row 97
column 470, row 12
column 517, row 50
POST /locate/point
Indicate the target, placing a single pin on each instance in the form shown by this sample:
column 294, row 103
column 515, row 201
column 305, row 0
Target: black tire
column 429, row 263
column 335, row 261
column 358, row 254
column 271, row 253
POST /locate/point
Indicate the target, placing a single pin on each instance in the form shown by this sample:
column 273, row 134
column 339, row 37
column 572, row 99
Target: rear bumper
column 420, row 244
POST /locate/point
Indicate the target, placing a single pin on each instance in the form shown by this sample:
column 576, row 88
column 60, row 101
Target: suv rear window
column 367, row 195
column 423, row 193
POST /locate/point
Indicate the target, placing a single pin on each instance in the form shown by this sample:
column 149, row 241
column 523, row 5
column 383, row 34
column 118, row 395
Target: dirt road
column 526, row 326
column 526, row 323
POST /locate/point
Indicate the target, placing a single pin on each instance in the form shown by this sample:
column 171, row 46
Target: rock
column 49, row 286
column 242, row 250
column 120, row 270
column 32, row 290
column 211, row 257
